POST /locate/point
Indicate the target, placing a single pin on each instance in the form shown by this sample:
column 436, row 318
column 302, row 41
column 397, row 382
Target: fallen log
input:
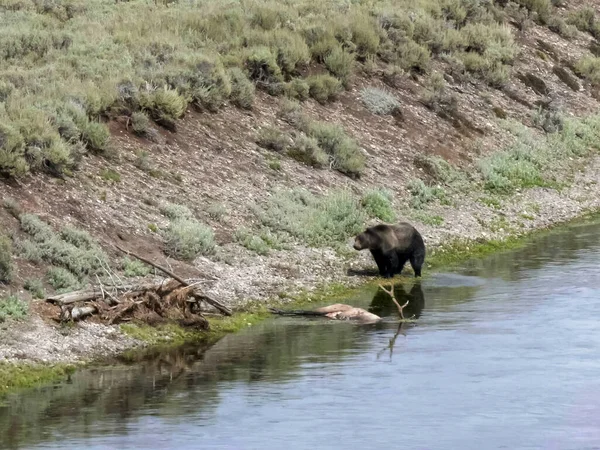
column 77, row 312
column 75, row 296
column 85, row 295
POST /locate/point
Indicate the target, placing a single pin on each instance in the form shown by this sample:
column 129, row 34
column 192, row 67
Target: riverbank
column 132, row 341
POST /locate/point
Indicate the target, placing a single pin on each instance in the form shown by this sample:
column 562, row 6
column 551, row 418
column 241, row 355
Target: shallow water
column 505, row 353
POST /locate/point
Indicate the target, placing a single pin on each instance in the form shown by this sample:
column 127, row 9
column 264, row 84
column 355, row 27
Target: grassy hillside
column 69, row 65
column 247, row 138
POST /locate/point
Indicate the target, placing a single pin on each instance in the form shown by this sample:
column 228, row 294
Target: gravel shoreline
column 252, row 277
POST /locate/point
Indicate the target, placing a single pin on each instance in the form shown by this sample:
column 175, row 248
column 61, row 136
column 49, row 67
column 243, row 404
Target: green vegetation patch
column 6, row 265
column 134, row 267
column 378, row 203
column 533, row 160
column 172, row 334
column 12, row 307
column 35, row 287
column 261, row 242
column 185, row 237
column 74, row 252
column 422, row 194
column 345, row 154
column 317, row 220
column 21, row 376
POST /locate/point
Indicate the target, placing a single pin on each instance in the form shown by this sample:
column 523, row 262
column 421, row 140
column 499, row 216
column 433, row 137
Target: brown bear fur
column 393, row 245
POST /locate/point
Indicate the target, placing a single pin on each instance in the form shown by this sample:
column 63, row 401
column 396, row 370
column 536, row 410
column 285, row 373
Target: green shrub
column 6, row 265
column 589, row 68
column 423, row 194
column 438, row 168
column 262, row 66
column 186, row 239
column 543, row 9
column 12, row 307
column 163, row 103
column 493, row 72
column 242, row 89
column 306, row 150
column 274, row 163
column 72, row 249
column 453, row 41
column 490, row 48
column 268, row 17
column 318, row 221
column 437, row 97
column 62, row 280
column 140, row 123
column 427, row 219
column 134, row 268
column 174, row 211
column 379, row 101
column 365, row 34
column 560, row 27
column 378, row 203
column 506, row 171
column 493, row 41
column 36, row 287
column 291, row 112
column 292, row 51
column 297, row 89
column 324, row 88
column 521, row 164
column 28, row 250
column 428, row 32
column 216, row 211
column 412, row 56
column 12, row 152
column 549, row 120
column 346, row 156
column 252, row 242
column 95, row 135
column 340, row 63
column 272, row 138
column 109, row 174
column 323, row 47
column 260, row 243
column 12, row 206
column 584, row 19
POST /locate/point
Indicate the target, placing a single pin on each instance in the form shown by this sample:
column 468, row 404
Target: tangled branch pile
column 171, row 299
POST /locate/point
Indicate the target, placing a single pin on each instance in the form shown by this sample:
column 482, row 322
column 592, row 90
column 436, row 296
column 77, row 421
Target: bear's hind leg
column 416, row 262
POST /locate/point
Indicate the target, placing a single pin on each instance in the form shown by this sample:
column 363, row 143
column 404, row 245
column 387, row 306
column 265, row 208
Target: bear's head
column 363, row 241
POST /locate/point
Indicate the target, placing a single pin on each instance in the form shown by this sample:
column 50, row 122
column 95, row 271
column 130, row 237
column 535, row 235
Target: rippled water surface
column 505, row 354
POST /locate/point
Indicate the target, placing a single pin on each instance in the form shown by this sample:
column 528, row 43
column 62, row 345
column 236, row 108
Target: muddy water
column 505, row 353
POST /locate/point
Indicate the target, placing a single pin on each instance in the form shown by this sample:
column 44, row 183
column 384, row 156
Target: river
column 504, row 354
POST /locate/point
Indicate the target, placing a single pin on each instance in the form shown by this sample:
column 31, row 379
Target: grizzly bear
column 393, row 245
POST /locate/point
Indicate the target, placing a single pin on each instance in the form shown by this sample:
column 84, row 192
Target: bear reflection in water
column 382, row 304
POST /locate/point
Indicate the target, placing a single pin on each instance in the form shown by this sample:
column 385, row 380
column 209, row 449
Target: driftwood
column 173, row 298
column 390, row 292
column 197, row 295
